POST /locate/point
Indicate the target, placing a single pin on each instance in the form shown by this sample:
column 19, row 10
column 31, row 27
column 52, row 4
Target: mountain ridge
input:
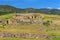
column 10, row 9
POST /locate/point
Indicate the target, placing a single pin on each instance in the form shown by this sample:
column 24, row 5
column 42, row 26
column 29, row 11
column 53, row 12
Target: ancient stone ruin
column 26, row 18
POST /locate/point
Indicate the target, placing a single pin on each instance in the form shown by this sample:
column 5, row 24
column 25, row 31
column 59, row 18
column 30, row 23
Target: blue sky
column 32, row 3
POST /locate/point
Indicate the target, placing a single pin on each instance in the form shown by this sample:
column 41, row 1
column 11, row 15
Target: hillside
column 18, row 26
column 29, row 23
column 4, row 9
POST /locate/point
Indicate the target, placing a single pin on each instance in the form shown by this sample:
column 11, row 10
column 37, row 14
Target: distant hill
column 9, row 9
column 4, row 9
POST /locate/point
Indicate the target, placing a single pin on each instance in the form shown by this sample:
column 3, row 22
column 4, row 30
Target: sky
column 32, row 3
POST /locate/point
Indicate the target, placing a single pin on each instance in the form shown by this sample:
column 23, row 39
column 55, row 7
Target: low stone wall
column 24, row 35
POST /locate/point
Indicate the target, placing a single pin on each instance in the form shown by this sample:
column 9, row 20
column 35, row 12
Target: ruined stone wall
column 22, row 35
column 32, row 16
column 26, row 18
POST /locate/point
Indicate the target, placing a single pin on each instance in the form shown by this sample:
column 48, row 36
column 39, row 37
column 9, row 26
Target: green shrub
column 47, row 23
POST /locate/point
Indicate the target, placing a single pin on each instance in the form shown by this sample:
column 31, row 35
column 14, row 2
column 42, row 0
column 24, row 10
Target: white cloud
column 49, row 7
column 58, row 8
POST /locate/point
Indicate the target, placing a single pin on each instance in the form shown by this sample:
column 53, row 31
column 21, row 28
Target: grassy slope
column 28, row 28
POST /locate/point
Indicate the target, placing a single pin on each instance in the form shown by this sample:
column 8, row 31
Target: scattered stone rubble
column 24, row 35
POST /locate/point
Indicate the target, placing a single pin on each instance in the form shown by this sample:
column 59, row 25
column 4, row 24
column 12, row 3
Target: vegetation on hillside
column 5, row 9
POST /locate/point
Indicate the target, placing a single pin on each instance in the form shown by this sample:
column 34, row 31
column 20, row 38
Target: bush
column 47, row 23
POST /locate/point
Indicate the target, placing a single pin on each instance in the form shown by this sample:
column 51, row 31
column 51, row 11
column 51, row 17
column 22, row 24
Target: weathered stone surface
column 26, row 18
column 23, row 18
column 26, row 35
column 20, row 35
